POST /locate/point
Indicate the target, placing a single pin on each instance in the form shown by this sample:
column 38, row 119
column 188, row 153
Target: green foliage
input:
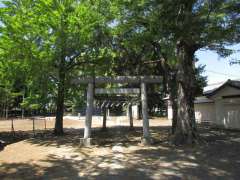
column 41, row 39
column 201, row 81
column 31, row 103
column 48, row 42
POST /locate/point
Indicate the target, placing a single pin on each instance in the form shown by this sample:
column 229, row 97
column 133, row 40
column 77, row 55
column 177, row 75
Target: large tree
column 194, row 25
column 64, row 34
column 180, row 28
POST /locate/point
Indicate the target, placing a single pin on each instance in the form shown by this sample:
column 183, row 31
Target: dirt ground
column 40, row 123
column 117, row 153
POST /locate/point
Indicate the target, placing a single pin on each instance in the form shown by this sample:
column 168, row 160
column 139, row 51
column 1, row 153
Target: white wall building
column 220, row 106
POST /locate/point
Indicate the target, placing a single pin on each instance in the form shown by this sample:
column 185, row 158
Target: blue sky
column 219, row 69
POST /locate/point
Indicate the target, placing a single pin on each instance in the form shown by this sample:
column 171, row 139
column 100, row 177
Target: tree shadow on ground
column 218, row 159
column 88, row 168
column 14, row 137
column 100, row 138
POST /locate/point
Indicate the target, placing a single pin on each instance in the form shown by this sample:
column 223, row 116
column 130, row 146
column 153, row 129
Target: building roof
column 207, row 94
column 231, row 83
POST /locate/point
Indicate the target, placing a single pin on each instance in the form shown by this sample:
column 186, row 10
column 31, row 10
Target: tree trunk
column 170, row 80
column 7, row 109
column 23, row 107
column 60, row 104
column 185, row 132
column 6, row 112
column 173, row 99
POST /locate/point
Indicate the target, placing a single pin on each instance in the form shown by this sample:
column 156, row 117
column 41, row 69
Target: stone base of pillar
column 131, row 128
column 146, row 141
column 104, row 129
column 86, row 142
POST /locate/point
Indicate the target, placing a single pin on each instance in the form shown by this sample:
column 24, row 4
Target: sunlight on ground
column 117, row 154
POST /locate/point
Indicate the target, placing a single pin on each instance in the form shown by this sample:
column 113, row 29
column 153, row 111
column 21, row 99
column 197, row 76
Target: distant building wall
column 135, row 111
column 224, row 112
column 169, row 110
column 220, row 107
column 205, row 112
column 228, row 113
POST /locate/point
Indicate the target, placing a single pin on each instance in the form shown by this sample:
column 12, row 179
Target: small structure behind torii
column 117, row 97
column 92, row 81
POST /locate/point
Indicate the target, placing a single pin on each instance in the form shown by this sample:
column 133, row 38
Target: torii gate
column 91, row 81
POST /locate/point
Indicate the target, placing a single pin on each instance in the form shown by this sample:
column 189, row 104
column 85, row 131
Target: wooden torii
column 91, row 81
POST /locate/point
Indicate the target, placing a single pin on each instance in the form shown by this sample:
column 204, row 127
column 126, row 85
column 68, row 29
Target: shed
column 220, row 106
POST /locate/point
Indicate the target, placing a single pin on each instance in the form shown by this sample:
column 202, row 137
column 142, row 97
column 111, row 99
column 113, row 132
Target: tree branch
column 210, row 6
column 153, row 62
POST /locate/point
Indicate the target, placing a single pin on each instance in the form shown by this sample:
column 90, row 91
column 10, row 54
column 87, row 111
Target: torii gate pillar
column 146, row 139
column 104, row 127
column 130, row 116
column 86, row 141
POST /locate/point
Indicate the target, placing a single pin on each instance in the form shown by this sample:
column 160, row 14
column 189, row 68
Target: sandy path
column 70, row 122
column 62, row 158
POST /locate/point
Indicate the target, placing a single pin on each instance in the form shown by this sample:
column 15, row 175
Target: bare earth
column 116, row 153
